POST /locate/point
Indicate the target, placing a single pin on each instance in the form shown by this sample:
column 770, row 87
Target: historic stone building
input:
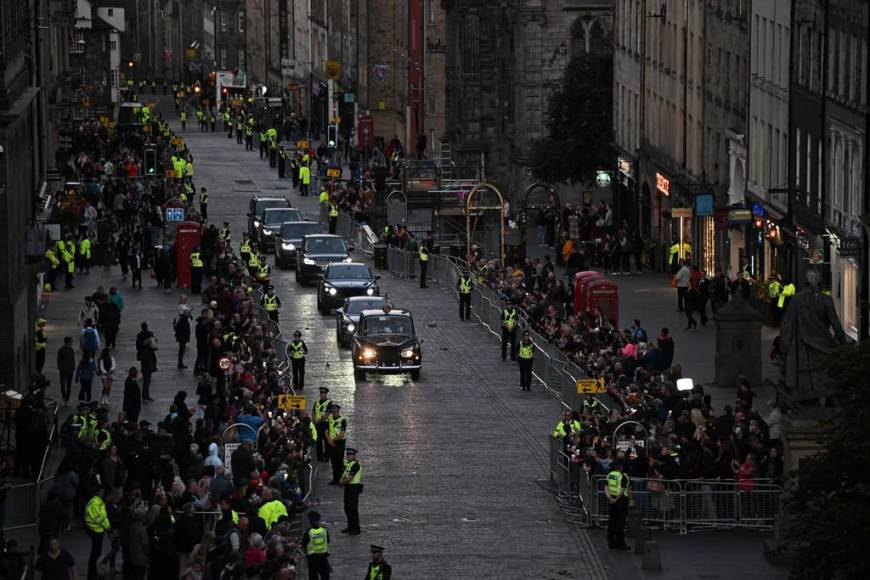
column 503, row 60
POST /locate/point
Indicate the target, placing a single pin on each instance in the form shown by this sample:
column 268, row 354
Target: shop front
column 845, row 287
column 766, row 251
column 625, row 206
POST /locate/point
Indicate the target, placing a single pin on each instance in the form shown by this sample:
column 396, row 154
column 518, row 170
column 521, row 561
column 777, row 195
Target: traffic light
column 332, row 135
column 150, row 161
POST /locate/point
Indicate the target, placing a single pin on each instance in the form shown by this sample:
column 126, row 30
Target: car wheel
column 359, row 375
column 415, row 375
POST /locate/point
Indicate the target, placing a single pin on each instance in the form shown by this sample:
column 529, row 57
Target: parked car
column 291, row 238
column 316, row 253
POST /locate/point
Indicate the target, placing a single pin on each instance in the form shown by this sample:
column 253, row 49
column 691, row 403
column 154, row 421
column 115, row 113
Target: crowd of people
column 213, row 490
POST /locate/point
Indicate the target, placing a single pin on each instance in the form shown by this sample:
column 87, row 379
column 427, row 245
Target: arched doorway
column 541, row 211
column 397, row 208
column 484, row 223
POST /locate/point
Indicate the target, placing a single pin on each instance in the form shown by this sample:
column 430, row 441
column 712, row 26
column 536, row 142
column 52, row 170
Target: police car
column 385, row 342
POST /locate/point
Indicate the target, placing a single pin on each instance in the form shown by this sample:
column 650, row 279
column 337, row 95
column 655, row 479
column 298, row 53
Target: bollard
column 634, row 523
column 643, row 535
column 652, row 560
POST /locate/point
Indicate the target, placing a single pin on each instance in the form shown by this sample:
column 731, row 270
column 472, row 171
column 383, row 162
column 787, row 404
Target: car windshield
column 325, row 246
column 356, row 306
column 299, row 230
column 400, row 325
column 348, row 272
column 279, row 216
column 264, row 204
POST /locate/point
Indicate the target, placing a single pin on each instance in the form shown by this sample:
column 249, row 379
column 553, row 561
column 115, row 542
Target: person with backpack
column 85, row 373
column 181, row 325
column 89, row 342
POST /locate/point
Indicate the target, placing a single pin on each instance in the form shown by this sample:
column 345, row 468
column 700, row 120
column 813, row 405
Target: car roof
column 393, row 312
column 262, row 198
column 323, row 236
column 349, row 264
column 361, row 298
column 300, row 222
column 277, row 209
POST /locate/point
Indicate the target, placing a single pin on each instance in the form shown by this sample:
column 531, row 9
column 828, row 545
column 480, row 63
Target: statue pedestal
column 738, row 343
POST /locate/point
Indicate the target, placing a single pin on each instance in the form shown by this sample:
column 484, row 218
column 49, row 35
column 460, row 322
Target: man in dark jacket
column 203, row 329
column 242, row 464
column 110, row 318
column 666, row 345
column 66, row 365
column 132, row 396
column 188, row 533
column 181, row 325
column 51, row 517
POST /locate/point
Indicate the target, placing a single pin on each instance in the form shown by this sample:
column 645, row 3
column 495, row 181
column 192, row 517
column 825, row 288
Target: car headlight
column 256, row 223
column 408, row 353
column 370, row 291
column 288, row 247
column 348, row 259
column 268, row 232
column 308, row 261
column 332, row 291
column 369, row 353
column 351, row 327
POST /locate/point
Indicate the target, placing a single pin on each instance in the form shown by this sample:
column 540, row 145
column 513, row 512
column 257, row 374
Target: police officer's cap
column 263, row 258
column 375, row 548
column 297, row 333
column 334, row 407
column 350, row 451
column 324, row 390
column 40, row 321
column 84, row 405
column 313, row 516
column 617, row 463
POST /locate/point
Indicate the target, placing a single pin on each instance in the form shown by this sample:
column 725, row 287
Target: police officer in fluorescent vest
column 566, row 426
column 245, row 248
column 97, row 526
column 378, row 567
column 618, row 493
column 196, row 269
column 526, row 354
column 264, row 271
column 40, row 344
column 336, row 437
column 271, row 303
column 351, row 480
column 333, row 217
column 253, row 260
column 224, row 234
column 315, row 544
column 423, row 255
column 203, row 203
column 591, row 405
column 464, row 286
column 509, row 319
column 319, row 414
column 298, row 350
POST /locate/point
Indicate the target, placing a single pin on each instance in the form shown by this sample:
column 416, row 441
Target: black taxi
column 386, row 342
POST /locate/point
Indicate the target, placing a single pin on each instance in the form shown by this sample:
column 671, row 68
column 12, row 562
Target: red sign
column 663, row 185
column 224, row 363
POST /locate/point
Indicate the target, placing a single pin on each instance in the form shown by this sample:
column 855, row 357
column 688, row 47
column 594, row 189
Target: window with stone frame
column 471, row 45
column 533, row 53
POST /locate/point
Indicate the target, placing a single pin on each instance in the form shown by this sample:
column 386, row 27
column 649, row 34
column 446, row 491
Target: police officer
column 319, row 415
column 618, row 493
column 315, row 543
column 53, row 267
column 509, row 319
column 212, row 119
column 264, row 271
column 567, row 425
column 224, row 234
column 351, row 480
column 464, row 286
column 253, row 261
column 378, row 567
column 40, row 344
column 423, row 255
column 305, row 178
column 203, row 203
column 239, row 128
column 79, row 421
column 271, row 303
column 298, row 350
column 245, row 248
column 336, row 437
column 196, row 269
column 183, row 120
column 97, row 526
column 591, row 405
column 333, row 216
column 282, row 162
column 249, row 137
column 526, row 354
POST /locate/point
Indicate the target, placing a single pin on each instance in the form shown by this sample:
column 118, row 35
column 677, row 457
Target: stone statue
column 806, row 336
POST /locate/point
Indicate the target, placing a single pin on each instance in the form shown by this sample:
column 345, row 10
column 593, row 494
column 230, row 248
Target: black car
column 316, row 253
column 347, row 317
column 385, row 342
column 256, row 206
column 270, row 224
column 291, row 238
column 343, row 280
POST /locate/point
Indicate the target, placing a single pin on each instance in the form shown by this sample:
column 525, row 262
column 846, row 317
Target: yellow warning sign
column 291, row 402
column 590, row 386
column 303, row 144
column 333, row 172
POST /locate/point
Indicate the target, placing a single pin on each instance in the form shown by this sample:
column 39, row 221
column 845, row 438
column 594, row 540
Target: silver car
column 347, row 317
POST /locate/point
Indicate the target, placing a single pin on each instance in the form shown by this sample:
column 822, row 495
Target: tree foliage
column 578, row 123
column 829, row 509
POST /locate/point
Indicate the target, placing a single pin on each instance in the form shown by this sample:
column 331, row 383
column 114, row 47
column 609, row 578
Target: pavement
column 455, row 464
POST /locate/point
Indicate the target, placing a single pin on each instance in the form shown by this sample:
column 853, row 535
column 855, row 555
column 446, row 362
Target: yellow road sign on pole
column 291, row 402
column 590, row 386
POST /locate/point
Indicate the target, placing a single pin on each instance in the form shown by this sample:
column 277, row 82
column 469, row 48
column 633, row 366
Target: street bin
column 379, row 256
column 187, row 237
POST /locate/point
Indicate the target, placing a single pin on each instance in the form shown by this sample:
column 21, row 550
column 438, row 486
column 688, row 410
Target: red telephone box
column 365, row 132
column 187, row 237
column 603, row 295
column 580, row 280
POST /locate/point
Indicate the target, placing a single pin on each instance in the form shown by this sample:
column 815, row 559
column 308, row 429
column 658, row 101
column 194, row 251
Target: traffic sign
column 224, row 364
column 175, row 214
column 590, row 386
column 303, row 144
column 291, row 402
column 333, row 172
